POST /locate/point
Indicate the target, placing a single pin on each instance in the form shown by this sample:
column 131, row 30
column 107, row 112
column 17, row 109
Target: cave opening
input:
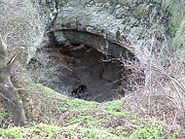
column 65, row 66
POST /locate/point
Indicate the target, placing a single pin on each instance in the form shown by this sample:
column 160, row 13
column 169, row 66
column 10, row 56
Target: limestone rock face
column 124, row 22
column 116, row 28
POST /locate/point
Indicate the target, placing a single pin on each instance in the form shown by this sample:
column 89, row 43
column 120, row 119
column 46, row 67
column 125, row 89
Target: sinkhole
column 65, row 65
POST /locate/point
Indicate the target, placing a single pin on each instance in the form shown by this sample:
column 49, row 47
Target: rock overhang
column 108, row 47
column 134, row 19
column 112, row 26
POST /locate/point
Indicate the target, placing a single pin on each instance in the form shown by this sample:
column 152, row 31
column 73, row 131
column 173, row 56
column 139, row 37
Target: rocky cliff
column 124, row 25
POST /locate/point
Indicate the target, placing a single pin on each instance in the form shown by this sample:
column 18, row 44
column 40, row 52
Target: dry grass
column 157, row 90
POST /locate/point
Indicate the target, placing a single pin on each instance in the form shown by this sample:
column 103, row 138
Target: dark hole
column 65, row 67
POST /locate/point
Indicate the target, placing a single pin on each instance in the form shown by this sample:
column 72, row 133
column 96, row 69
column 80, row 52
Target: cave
column 65, row 65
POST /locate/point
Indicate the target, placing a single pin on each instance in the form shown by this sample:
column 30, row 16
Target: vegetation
column 177, row 15
column 3, row 113
column 152, row 109
column 57, row 116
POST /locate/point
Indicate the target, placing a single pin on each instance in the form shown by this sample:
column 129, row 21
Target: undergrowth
column 70, row 118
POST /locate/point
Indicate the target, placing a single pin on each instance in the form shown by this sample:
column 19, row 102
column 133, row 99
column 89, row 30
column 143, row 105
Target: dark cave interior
column 65, row 67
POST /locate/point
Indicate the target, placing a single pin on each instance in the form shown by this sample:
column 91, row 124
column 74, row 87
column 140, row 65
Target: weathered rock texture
column 125, row 22
column 121, row 28
column 21, row 27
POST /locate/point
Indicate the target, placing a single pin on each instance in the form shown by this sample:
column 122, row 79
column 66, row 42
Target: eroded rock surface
column 125, row 22
column 116, row 28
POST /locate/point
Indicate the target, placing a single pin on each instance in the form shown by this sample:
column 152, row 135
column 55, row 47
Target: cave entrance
column 65, row 67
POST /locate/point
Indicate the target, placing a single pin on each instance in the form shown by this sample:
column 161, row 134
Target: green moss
column 3, row 113
column 175, row 26
column 12, row 133
column 44, row 89
column 88, row 120
column 49, row 132
column 147, row 132
column 81, row 105
column 97, row 133
column 178, row 15
column 153, row 131
column 53, row 99
column 114, row 106
column 83, row 119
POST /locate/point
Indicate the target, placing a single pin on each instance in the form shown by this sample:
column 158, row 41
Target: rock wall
column 128, row 23
column 119, row 28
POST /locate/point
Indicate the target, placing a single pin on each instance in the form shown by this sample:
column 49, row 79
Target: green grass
column 152, row 132
column 178, row 15
column 3, row 113
column 50, row 132
column 81, row 105
column 12, row 133
column 53, row 99
column 147, row 132
column 114, row 106
column 83, row 119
